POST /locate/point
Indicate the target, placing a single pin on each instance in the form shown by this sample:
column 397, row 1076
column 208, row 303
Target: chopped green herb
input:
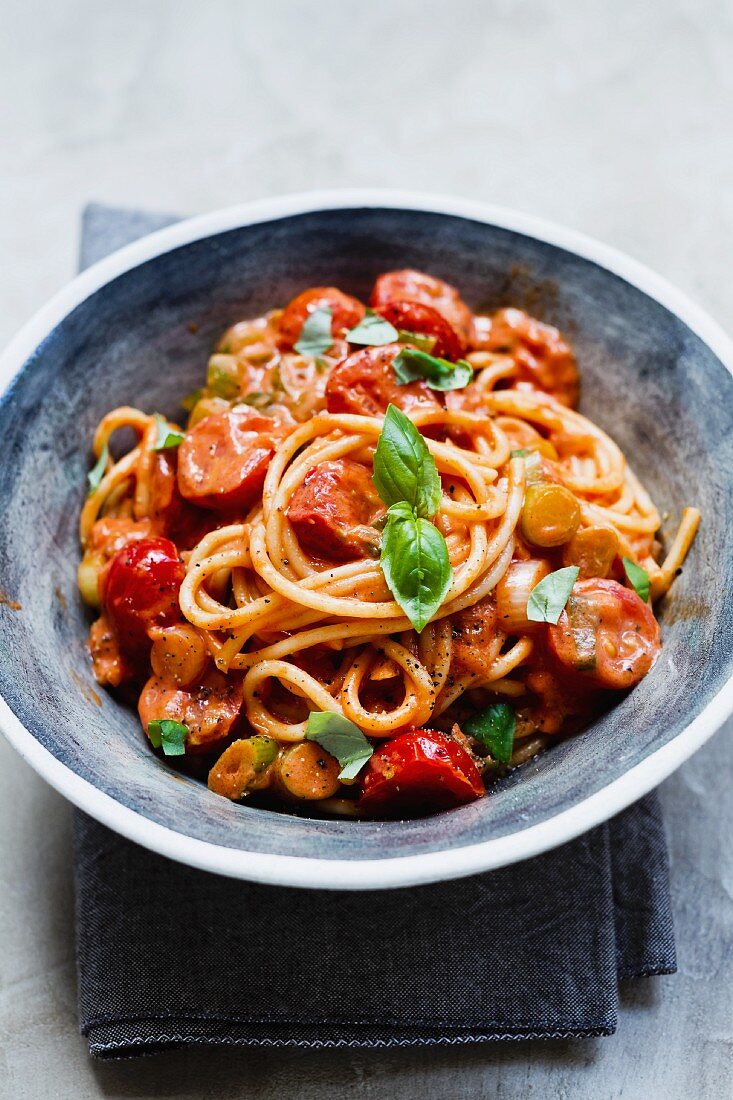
column 439, row 374
column 315, row 335
column 547, row 599
column 257, row 400
column 341, row 739
column 168, row 734
column 494, row 728
column 638, row 579
column 167, row 438
column 96, row 474
column 372, row 330
column 419, row 340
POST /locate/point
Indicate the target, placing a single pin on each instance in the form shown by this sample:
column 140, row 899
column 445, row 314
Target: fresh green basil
column 97, row 472
column 415, row 564
column 168, row 734
column 315, row 335
column 419, row 340
column 494, row 728
column 372, row 330
column 547, row 599
column 638, row 578
column 404, row 469
column 166, row 438
column 340, row 738
column 412, row 364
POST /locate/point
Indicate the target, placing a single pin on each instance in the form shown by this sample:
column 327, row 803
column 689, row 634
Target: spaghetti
column 256, row 580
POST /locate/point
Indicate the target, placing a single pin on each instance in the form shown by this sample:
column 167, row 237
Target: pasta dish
column 384, row 562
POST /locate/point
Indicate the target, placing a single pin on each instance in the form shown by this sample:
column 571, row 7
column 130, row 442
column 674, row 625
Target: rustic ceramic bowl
column 656, row 374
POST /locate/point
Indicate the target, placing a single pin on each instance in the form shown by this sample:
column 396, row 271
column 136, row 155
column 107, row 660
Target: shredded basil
column 168, row 734
column 341, row 739
column 412, row 364
column 638, row 579
column 167, row 438
column 315, row 335
column 547, row 599
column 404, row 469
column 96, row 474
column 372, row 330
column 494, row 729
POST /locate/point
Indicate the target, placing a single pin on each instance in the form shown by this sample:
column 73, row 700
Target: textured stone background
column 613, row 117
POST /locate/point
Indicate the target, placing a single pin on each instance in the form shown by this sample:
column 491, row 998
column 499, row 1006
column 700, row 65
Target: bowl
column 137, row 329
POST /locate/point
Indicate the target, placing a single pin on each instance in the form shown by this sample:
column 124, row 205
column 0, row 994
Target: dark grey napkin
column 169, row 956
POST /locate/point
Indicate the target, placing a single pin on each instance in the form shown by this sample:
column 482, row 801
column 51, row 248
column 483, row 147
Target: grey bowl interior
column 647, row 379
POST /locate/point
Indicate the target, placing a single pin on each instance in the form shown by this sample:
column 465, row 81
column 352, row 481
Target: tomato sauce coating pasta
column 241, row 570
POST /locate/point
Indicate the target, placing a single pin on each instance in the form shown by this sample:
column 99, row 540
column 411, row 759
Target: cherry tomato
column 333, row 509
column 419, row 772
column 415, row 286
column 426, row 320
column 346, row 312
column 543, row 357
column 364, row 383
column 223, row 460
column 607, row 635
column 141, row 591
column 211, row 710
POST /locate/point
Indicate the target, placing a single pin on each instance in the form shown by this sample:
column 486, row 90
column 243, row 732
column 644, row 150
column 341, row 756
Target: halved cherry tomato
column 211, row 710
column 426, row 320
column 141, row 591
column 607, row 635
column 346, row 312
column 415, row 286
column 364, row 383
column 223, row 460
column 419, row 772
column 333, row 509
column 477, row 638
column 544, row 359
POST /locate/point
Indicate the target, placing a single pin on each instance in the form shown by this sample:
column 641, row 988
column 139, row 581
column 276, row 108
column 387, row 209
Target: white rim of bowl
column 392, row 871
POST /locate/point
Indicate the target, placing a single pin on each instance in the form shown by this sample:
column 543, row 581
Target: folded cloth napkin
column 170, row 956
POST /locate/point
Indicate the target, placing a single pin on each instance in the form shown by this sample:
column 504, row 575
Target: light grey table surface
column 614, row 118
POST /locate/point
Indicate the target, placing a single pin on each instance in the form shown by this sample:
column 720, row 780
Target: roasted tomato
column 346, row 312
column 223, row 460
column 418, row 772
column 607, row 635
column 211, row 710
column 544, row 359
column 415, row 286
column 333, row 509
column 364, row 383
column 173, row 516
column 141, row 591
column 476, row 638
column 427, row 321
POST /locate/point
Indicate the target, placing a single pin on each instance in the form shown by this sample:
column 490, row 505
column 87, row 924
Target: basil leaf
column 191, row 400
column 638, row 579
column 420, row 340
column 340, row 738
column 171, row 735
column 415, row 563
column 547, row 599
column 167, row 437
column 439, row 374
column 494, row 729
column 404, row 469
column 521, row 452
column 315, row 335
column 96, row 474
column 372, row 330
